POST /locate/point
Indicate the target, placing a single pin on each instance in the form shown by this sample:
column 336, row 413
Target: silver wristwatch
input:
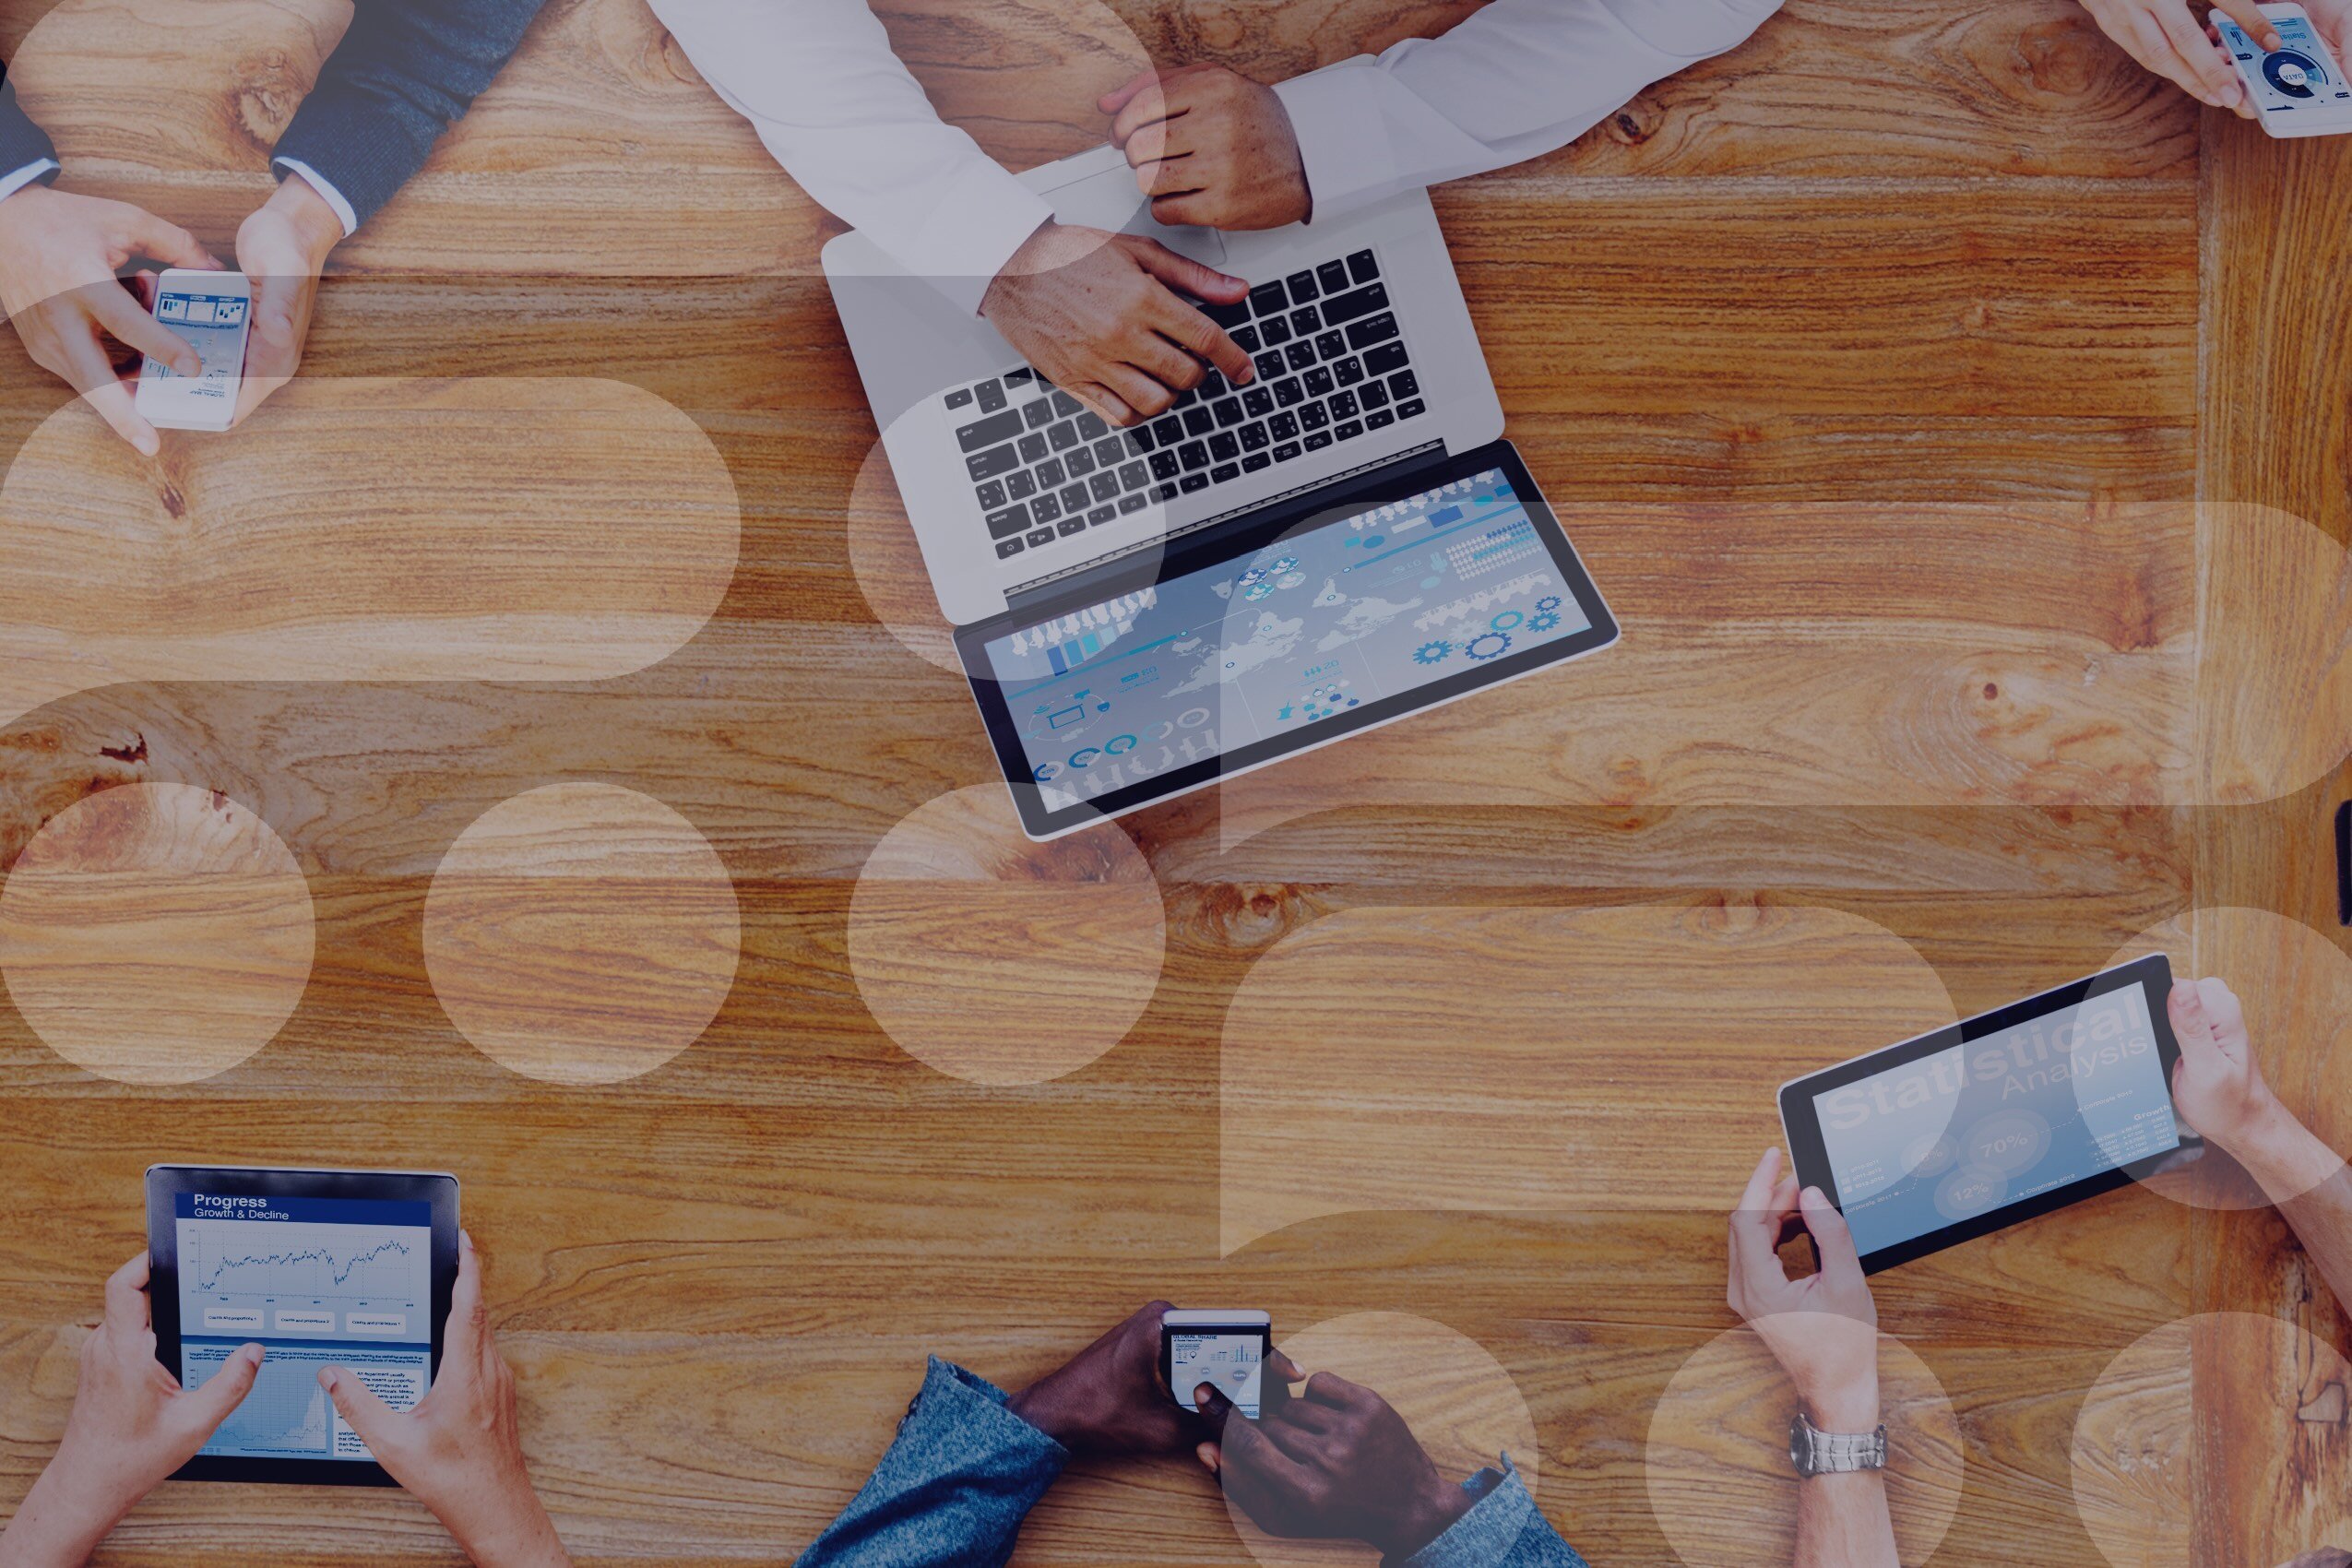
column 1818, row 1453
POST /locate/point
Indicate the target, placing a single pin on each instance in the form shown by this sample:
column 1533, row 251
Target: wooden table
column 1913, row 379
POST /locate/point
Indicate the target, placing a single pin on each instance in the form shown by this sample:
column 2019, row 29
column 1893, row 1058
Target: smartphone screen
column 1232, row 1360
column 2298, row 88
column 210, row 312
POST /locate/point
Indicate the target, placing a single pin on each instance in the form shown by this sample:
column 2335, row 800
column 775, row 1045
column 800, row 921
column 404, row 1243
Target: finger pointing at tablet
column 460, row 1449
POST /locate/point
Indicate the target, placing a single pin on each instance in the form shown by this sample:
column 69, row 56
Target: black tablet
column 1306, row 621
column 349, row 1268
column 1995, row 1119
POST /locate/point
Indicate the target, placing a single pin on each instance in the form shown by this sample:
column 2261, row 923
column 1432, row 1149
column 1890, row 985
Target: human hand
column 1093, row 311
column 2164, row 37
column 1823, row 1329
column 132, row 1425
column 1110, row 1400
column 2333, row 21
column 1335, row 1462
column 2217, row 1083
column 59, row 256
column 459, row 1449
column 2218, row 1088
column 283, row 246
column 1211, row 146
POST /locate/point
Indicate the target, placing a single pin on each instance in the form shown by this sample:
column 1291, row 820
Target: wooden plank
column 2273, row 430
column 1847, row 296
column 2013, row 86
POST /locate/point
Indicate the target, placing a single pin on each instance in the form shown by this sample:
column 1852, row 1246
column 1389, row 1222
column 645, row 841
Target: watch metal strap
column 1818, row 1453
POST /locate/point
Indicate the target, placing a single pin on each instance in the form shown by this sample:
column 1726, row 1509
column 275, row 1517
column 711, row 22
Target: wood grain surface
column 1907, row 378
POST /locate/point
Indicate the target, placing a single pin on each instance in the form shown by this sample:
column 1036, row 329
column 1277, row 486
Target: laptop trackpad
column 1110, row 200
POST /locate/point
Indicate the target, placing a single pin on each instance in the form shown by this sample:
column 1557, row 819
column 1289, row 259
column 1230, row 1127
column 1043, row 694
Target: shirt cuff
column 325, row 189
column 1485, row 1535
column 980, row 1414
column 39, row 170
column 1343, row 141
column 968, row 239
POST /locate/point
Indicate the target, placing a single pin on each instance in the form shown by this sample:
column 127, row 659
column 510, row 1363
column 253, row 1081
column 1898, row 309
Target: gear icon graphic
column 1548, row 604
column 1542, row 621
column 1432, row 653
column 1479, row 648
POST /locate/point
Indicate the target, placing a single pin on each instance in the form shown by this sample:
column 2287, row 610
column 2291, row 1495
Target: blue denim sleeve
column 953, row 1488
column 1504, row 1529
column 406, row 71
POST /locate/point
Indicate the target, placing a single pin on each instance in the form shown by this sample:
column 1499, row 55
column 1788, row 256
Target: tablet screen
column 318, row 1282
column 1294, row 638
column 1997, row 1119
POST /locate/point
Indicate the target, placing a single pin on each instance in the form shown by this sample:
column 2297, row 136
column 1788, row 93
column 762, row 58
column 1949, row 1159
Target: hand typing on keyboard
column 1210, row 147
column 1331, row 367
column 1100, row 315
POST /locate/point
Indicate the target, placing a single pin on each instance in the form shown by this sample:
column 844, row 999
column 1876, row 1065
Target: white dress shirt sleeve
column 1515, row 81
column 820, row 82
column 18, row 180
column 325, row 189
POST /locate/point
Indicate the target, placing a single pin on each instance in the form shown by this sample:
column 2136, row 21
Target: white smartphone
column 210, row 312
column 2298, row 89
column 1224, row 1348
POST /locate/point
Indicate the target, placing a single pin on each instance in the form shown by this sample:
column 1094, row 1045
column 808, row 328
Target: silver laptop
column 1053, row 540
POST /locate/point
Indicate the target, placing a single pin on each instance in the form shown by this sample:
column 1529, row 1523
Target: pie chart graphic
column 2294, row 75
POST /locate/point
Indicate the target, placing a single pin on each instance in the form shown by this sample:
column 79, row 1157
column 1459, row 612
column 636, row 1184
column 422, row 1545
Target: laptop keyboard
column 1330, row 366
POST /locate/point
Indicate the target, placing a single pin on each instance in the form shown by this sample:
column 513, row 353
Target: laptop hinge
column 1400, row 463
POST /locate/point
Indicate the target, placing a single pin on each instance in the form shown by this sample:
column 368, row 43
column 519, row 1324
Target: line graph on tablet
column 230, row 1265
column 325, row 1264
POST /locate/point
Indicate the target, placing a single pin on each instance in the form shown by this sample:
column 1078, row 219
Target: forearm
column 1841, row 1518
column 1501, row 1528
column 496, row 1518
column 1515, row 81
column 1842, row 1521
column 2312, row 1189
column 405, row 72
column 831, row 100
column 23, row 145
column 954, row 1486
column 55, row 1527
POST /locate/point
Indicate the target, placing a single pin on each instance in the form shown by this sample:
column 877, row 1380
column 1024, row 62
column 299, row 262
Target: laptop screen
column 1357, row 614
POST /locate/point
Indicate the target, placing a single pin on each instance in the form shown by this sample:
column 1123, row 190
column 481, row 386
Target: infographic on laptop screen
column 1330, row 618
column 318, row 1282
column 1998, row 1120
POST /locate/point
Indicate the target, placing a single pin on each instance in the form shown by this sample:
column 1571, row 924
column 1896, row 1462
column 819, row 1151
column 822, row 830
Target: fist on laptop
column 1210, row 147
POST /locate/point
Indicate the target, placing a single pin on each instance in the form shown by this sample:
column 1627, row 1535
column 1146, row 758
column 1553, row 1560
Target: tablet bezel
column 1194, row 551
column 1801, row 1126
column 436, row 1188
